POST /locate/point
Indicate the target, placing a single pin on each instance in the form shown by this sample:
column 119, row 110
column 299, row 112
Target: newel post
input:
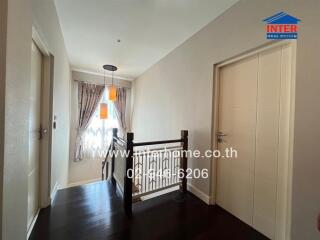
column 184, row 159
column 127, row 179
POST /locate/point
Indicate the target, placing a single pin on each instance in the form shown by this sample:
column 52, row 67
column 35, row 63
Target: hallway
column 94, row 211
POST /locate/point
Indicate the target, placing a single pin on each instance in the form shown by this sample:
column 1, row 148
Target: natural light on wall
column 98, row 135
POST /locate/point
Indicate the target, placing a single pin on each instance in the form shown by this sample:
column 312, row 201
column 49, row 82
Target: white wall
column 86, row 170
column 177, row 93
column 16, row 125
column 47, row 24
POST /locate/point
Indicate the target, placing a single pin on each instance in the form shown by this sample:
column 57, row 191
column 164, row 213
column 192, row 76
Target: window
column 98, row 135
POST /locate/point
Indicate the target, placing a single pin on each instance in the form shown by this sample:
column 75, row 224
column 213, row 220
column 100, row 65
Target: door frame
column 46, row 119
column 215, row 117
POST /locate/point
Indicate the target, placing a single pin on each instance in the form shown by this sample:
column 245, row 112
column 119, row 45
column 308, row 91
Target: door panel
column 284, row 142
column 266, row 160
column 254, row 112
column 237, row 117
column 34, row 126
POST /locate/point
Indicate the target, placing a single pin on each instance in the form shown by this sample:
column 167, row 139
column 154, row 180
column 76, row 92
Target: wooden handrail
column 119, row 139
column 157, row 142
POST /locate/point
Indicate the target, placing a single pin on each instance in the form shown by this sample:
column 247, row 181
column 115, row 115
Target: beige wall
column 86, row 170
column 17, row 84
column 46, row 22
column 177, row 92
column 3, row 45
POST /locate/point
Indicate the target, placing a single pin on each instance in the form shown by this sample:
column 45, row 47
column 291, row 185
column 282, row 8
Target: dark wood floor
column 94, row 212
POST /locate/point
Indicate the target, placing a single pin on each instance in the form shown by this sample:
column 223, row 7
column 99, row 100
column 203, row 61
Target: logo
column 282, row 26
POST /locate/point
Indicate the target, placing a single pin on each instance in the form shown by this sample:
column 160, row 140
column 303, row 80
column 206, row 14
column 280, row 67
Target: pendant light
column 104, row 106
column 103, row 111
column 112, row 89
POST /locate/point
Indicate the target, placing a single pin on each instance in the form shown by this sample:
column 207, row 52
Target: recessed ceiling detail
column 147, row 30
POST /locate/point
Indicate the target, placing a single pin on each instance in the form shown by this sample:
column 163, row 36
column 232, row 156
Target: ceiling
column 148, row 30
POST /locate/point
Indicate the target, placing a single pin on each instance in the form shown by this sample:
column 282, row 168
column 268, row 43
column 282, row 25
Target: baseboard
column 198, row 193
column 74, row 184
column 53, row 192
column 33, row 223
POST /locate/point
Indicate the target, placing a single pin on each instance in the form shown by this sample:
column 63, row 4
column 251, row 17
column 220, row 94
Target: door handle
column 220, row 136
column 42, row 132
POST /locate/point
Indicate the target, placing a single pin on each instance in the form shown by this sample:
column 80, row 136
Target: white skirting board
column 33, row 223
column 54, row 191
column 204, row 197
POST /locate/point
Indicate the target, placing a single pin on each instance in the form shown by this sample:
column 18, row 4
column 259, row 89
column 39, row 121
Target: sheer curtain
column 97, row 137
column 89, row 96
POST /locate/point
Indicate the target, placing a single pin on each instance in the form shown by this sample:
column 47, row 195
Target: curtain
column 89, row 96
column 98, row 135
column 120, row 110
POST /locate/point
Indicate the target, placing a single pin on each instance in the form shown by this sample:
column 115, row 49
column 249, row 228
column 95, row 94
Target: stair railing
column 138, row 163
column 105, row 165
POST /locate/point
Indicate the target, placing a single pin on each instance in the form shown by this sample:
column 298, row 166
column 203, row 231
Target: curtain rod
column 101, row 84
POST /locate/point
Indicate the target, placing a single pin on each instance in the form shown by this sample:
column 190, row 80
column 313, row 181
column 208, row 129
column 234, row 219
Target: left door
column 34, row 134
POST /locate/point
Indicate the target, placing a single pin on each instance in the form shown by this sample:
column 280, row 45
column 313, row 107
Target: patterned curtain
column 120, row 107
column 97, row 137
column 89, row 96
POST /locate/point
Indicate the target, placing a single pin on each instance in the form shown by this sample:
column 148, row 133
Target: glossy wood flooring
column 94, row 212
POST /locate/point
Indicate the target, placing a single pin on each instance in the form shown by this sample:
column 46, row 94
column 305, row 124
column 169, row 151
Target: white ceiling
column 148, row 29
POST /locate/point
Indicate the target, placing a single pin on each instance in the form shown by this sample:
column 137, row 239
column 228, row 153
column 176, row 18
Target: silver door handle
column 42, row 132
column 221, row 134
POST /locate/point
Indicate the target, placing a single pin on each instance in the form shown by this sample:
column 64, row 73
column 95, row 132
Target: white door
column 237, row 117
column 34, row 127
column 254, row 110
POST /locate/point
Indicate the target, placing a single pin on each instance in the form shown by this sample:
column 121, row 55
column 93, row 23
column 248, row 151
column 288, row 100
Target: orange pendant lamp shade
column 103, row 111
column 112, row 93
